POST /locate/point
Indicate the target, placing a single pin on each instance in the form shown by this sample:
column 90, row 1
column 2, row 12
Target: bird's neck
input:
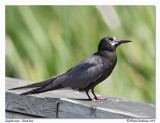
column 107, row 54
column 108, row 57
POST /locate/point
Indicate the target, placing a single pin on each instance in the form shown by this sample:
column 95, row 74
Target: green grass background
column 42, row 41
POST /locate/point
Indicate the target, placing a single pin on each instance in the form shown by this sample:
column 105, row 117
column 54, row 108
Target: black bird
column 86, row 74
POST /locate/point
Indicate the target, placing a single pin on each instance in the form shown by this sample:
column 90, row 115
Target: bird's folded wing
column 84, row 73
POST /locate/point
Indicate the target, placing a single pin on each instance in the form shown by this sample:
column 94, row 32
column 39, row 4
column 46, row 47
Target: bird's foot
column 98, row 99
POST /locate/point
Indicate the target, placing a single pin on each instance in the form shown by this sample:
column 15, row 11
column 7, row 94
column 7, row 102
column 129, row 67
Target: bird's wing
column 84, row 73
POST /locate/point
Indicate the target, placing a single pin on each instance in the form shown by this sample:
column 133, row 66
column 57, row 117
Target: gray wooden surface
column 70, row 104
column 15, row 115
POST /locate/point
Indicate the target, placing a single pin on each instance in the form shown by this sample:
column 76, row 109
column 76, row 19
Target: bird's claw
column 98, row 99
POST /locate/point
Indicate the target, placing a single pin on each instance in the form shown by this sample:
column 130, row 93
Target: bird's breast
column 109, row 61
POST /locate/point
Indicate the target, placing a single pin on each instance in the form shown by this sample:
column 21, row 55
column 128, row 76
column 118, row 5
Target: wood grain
column 30, row 105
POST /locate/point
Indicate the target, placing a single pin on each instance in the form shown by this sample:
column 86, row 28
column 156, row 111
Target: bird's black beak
column 118, row 42
column 123, row 41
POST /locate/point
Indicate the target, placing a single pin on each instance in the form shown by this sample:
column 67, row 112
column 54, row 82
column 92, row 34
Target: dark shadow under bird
column 86, row 74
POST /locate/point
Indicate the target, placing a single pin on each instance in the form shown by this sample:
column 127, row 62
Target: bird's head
column 110, row 43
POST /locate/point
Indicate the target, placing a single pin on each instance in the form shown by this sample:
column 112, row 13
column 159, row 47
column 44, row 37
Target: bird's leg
column 95, row 97
column 89, row 98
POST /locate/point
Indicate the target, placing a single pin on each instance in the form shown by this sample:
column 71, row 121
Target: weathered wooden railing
column 70, row 104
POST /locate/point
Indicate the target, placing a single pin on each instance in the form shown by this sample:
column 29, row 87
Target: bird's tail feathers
column 30, row 92
column 30, row 86
column 40, row 84
column 42, row 89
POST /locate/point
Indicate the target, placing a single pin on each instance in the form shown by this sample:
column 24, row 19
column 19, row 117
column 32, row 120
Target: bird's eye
column 111, row 39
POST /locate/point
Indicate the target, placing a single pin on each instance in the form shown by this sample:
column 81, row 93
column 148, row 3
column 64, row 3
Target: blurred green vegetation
column 42, row 41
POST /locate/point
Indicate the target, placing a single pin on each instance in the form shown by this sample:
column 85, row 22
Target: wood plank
column 69, row 108
column 72, row 104
column 15, row 115
column 30, row 105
